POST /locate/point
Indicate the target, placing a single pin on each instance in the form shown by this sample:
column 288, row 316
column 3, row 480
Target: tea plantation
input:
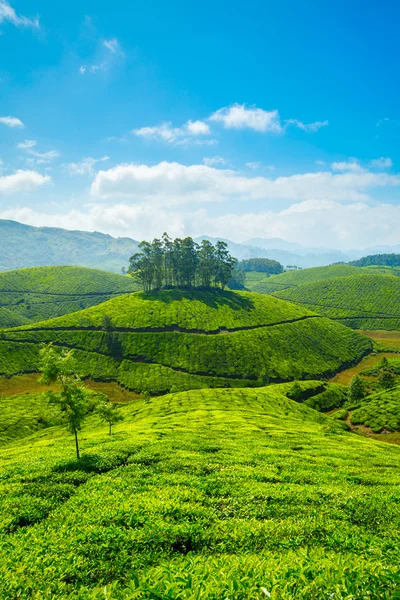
column 360, row 301
column 209, row 494
column 174, row 340
column 40, row 293
column 291, row 279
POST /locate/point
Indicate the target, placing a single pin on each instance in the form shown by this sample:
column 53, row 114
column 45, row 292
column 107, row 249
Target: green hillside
column 361, row 301
column 184, row 340
column 40, row 293
column 205, row 494
column 26, row 246
column 379, row 411
column 290, row 279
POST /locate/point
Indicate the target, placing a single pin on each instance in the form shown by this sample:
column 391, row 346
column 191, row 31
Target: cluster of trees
column 386, row 260
column 167, row 263
column 260, row 265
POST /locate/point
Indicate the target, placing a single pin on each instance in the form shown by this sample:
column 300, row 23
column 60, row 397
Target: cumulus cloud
column 7, row 13
column 174, row 183
column 22, row 181
column 239, row 116
column 165, row 132
column 86, row 166
column 350, row 165
column 12, row 122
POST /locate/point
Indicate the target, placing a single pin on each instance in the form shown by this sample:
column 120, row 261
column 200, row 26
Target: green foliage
column 386, row 380
column 357, row 389
column 294, row 278
column 35, row 294
column 295, row 392
column 332, row 396
column 341, row 414
column 181, row 263
column 109, row 413
column 260, row 265
column 379, row 411
column 361, row 301
column 191, row 340
column 60, row 367
column 204, row 494
column 389, row 260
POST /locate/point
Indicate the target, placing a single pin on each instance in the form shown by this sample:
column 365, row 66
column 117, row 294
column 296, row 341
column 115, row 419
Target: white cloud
column 312, row 222
column 350, row 165
column 381, row 163
column 37, row 158
column 197, row 128
column 174, row 183
column 7, row 13
column 308, row 127
column 22, row 181
column 113, row 46
column 320, row 163
column 238, row 116
column 189, row 132
column 86, row 166
column 211, row 161
column 11, row 122
column 26, row 144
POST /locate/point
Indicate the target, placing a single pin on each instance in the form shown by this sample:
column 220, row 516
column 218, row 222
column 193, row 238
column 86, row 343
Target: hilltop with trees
column 181, row 263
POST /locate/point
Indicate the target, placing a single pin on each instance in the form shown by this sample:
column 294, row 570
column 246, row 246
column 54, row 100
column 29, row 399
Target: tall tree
column 73, row 399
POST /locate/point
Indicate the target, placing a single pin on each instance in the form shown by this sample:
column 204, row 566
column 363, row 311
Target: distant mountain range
column 27, row 246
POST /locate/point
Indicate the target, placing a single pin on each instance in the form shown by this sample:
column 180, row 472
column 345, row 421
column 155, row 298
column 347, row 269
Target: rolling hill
column 26, row 246
column 202, row 494
column 29, row 295
column 291, row 279
column 361, row 301
column 183, row 340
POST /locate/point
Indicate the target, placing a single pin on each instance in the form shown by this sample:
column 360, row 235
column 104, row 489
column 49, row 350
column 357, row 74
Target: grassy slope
column 43, row 292
column 205, row 494
column 192, row 340
column 361, row 301
column 291, row 279
column 379, row 411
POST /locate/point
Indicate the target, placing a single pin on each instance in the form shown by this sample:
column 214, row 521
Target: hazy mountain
column 26, row 246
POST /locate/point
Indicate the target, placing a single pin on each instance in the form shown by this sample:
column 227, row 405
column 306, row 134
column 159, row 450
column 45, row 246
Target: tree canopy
column 261, row 265
column 388, row 260
column 167, row 263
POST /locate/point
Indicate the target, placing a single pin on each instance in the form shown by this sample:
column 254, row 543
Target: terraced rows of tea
column 360, row 301
column 291, row 279
column 203, row 494
column 176, row 340
column 34, row 294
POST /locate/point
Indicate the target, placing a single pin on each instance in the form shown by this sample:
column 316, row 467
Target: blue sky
column 232, row 119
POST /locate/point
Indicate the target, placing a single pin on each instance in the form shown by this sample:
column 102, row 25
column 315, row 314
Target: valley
column 244, row 458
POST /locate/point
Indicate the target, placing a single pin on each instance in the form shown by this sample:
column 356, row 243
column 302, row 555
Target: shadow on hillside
column 214, row 298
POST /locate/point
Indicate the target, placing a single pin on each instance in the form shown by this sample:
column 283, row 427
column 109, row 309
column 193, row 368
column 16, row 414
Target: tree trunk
column 76, row 444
